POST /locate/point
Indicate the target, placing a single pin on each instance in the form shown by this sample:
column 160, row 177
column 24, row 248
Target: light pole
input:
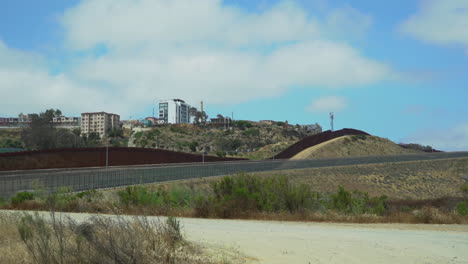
column 107, row 155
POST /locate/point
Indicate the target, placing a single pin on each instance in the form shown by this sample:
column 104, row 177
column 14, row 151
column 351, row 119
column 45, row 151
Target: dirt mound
column 315, row 140
column 95, row 157
column 348, row 146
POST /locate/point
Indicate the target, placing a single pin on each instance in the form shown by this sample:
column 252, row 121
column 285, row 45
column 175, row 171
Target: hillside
column 256, row 141
column 10, row 138
column 314, row 140
column 347, row 146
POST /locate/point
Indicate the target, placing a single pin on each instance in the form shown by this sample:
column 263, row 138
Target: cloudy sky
column 396, row 69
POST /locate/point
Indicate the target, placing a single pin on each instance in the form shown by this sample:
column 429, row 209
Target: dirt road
column 295, row 242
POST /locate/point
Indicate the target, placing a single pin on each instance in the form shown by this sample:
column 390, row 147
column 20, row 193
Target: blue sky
column 397, row 69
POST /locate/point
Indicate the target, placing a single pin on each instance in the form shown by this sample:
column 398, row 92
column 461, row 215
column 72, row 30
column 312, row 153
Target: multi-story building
column 99, row 122
column 174, row 111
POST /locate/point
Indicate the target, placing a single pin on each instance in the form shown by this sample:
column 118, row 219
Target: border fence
column 83, row 179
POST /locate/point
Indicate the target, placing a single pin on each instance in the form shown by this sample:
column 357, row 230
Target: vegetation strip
column 249, row 197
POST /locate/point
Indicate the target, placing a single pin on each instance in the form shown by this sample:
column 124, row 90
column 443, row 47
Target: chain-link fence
column 98, row 178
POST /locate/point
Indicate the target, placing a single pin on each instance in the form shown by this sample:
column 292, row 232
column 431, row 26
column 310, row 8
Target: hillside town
column 170, row 112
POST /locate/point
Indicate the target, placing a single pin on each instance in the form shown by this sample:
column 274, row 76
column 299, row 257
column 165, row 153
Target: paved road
column 296, row 242
column 94, row 178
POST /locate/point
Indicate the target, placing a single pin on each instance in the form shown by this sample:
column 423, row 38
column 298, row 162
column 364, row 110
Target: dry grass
column 34, row 239
column 12, row 249
column 403, row 180
column 348, row 146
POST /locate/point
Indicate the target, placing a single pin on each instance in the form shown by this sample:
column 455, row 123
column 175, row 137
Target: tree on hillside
column 199, row 118
column 41, row 134
column 116, row 133
column 193, row 112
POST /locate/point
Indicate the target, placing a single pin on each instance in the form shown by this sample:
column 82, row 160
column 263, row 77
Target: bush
column 21, row 197
column 462, row 208
column 357, row 203
column 254, row 132
column 234, row 195
column 358, row 137
column 464, row 189
column 106, row 240
column 139, row 195
column 242, row 125
column 62, row 199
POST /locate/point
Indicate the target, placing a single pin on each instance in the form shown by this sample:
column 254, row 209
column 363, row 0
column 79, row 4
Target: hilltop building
column 66, row 122
column 174, row 111
column 25, row 120
column 99, row 122
column 315, row 128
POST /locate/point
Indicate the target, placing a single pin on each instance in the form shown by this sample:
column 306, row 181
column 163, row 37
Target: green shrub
column 221, row 154
column 177, row 129
column 61, row 199
column 193, row 146
column 242, row 125
column 89, row 196
column 379, row 205
column 138, row 135
column 251, row 132
column 139, row 195
column 173, row 230
column 249, row 193
column 21, row 197
column 358, row 137
column 2, row 201
column 357, row 202
column 464, row 189
column 462, row 208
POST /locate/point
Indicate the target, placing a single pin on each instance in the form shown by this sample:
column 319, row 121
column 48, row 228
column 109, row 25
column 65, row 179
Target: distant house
column 267, row 122
column 315, row 128
column 66, row 122
column 155, row 121
column 221, row 122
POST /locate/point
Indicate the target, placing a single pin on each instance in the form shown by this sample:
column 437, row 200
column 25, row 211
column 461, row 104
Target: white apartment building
column 174, row 111
column 99, row 122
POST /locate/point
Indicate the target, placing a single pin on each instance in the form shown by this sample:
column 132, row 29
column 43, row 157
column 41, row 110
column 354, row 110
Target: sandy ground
column 296, row 242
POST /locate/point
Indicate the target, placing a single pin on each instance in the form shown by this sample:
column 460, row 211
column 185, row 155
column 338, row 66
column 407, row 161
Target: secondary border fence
column 12, row 182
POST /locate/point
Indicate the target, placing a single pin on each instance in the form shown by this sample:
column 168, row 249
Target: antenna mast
column 332, row 117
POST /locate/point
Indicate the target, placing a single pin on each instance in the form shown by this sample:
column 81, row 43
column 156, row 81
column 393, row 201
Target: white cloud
column 328, row 104
column 27, row 87
column 161, row 49
column 452, row 139
column 348, row 21
column 442, row 22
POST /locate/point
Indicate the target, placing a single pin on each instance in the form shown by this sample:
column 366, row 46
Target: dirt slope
column 347, row 146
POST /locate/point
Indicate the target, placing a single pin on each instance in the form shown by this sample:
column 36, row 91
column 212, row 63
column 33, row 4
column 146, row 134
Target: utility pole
column 107, row 155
